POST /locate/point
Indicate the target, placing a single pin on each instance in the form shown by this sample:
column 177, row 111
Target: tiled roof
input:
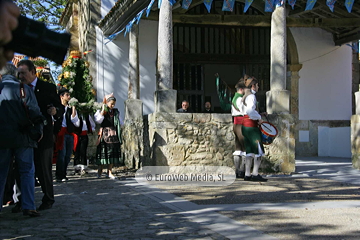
column 18, row 57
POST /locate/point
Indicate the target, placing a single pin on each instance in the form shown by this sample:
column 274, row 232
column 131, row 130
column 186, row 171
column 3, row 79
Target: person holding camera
column 49, row 104
column 9, row 13
column 16, row 141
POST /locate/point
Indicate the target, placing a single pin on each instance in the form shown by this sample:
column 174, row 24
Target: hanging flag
column 310, row 4
column 247, row 5
column 172, row 2
column 113, row 36
column 228, row 5
column 159, row 3
column 129, row 26
column 278, row 3
column 331, row 4
column 349, row 4
column 208, row 4
column 186, row 4
column 292, row 3
column 269, row 5
column 149, row 7
column 138, row 16
column 354, row 46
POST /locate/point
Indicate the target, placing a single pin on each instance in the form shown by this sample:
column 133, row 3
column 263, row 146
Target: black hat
column 62, row 90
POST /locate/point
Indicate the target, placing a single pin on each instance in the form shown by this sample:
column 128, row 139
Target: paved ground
column 320, row 201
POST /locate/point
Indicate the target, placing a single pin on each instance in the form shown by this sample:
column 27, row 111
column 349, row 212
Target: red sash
column 60, row 139
column 246, row 121
column 238, row 120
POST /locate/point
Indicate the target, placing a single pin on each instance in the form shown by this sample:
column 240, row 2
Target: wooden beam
column 261, row 21
column 346, row 39
column 220, row 58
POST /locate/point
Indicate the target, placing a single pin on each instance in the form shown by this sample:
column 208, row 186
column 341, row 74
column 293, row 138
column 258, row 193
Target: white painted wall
column 325, row 77
column 325, row 87
column 113, row 66
column 334, row 142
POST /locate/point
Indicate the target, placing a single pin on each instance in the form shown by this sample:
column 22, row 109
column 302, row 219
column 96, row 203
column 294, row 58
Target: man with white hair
column 18, row 108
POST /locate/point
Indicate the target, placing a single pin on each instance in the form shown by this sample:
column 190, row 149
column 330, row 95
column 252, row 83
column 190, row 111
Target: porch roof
column 344, row 26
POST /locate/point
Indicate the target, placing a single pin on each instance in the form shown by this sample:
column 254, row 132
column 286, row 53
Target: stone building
column 309, row 76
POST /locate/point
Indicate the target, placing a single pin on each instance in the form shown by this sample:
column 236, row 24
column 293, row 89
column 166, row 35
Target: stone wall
column 182, row 139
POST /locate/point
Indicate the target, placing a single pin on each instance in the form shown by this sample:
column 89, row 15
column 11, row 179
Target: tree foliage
column 47, row 11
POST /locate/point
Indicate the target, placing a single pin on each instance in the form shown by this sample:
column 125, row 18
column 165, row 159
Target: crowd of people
column 37, row 122
column 63, row 131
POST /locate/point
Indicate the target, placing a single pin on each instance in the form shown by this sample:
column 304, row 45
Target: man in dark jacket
column 48, row 101
column 15, row 141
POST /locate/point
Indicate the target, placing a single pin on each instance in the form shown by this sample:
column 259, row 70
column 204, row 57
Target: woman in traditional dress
column 251, row 131
column 108, row 149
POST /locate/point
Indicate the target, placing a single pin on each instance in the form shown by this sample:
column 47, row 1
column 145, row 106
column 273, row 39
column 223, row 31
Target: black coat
column 47, row 96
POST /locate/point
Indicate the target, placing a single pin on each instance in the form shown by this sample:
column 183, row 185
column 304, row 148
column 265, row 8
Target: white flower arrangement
column 73, row 102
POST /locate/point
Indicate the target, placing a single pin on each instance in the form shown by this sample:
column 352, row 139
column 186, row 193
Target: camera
column 33, row 39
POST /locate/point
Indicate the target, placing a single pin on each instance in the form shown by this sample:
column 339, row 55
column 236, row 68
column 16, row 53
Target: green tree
column 47, row 11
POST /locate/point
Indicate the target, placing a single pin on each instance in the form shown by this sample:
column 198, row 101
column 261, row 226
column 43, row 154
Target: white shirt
column 250, row 107
column 75, row 120
column 92, row 123
column 33, row 84
column 100, row 118
column 240, row 106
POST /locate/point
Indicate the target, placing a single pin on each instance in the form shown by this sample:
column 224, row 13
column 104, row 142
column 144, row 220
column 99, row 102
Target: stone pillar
column 134, row 76
column 132, row 135
column 278, row 98
column 281, row 153
column 355, row 119
column 165, row 96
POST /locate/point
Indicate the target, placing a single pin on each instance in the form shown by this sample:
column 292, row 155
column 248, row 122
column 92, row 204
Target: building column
column 165, row 96
column 281, row 153
column 355, row 119
column 132, row 131
column 134, row 75
column 278, row 98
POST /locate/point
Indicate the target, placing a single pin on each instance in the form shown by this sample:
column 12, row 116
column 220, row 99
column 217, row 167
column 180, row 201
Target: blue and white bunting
column 354, row 46
column 208, row 4
column 331, row 4
column 113, row 36
column 186, row 4
column 148, row 8
column 349, row 4
column 278, row 3
column 228, row 5
column 292, row 3
column 247, row 5
column 310, row 4
column 139, row 15
column 269, row 5
column 129, row 26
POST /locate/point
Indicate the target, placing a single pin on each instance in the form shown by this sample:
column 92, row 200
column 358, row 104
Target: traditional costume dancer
column 108, row 149
column 238, row 112
column 251, row 131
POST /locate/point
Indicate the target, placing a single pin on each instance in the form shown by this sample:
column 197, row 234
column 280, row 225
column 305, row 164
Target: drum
column 268, row 133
